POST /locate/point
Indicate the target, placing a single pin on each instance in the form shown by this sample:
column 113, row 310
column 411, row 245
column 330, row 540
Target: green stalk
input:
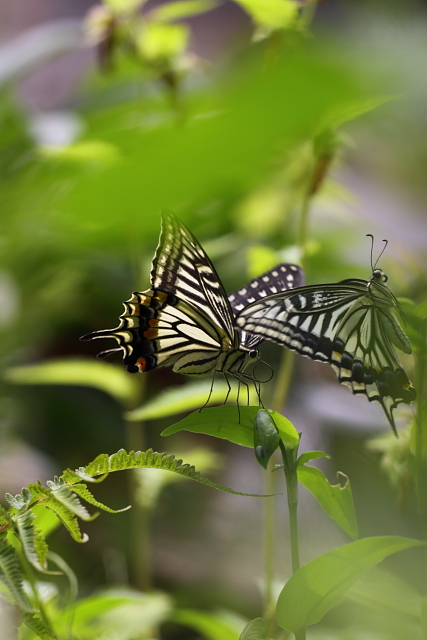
column 269, row 519
column 289, row 457
column 420, row 444
column 278, row 401
column 30, row 575
column 139, row 517
column 307, row 13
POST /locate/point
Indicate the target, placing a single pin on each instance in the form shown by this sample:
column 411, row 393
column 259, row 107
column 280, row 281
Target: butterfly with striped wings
column 185, row 320
column 351, row 325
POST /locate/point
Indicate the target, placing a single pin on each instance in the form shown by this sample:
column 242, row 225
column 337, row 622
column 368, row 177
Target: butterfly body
column 350, row 325
column 185, row 321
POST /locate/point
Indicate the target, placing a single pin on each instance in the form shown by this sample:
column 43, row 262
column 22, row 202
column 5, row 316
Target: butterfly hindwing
column 157, row 330
column 281, row 278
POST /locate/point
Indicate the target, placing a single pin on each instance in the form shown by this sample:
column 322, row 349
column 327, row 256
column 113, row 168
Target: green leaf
column 122, row 460
column 223, row 422
column 97, row 152
column 46, row 521
column 261, row 259
column 170, row 11
column 421, row 309
column 424, row 616
column 311, row 455
column 212, row 626
column 124, row 6
column 255, row 630
column 67, row 571
column 276, row 14
column 11, row 575
column 86, row 373
column 320, row 584
column 157, row 41
column 386, row 593
column 37, row 625
column 336, row 500
column 179, row 399
column 341, row 113
column 121, row 614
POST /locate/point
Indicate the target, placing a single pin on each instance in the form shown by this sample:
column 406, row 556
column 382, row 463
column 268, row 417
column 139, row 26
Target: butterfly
column 185, row 320
column 350, row 324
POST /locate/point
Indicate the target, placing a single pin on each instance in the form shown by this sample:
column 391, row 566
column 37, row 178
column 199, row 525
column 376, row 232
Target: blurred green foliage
column 231, row 148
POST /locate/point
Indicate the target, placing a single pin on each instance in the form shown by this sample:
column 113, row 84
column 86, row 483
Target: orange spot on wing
column 153, row 322
column 150, row 334
column 142, row 363
column 162, row 296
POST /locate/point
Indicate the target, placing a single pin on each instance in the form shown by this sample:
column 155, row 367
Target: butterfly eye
column 253, row 353
column 384, row 278
column 378, row 274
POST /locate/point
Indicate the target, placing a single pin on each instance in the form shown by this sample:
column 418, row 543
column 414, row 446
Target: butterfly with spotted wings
column 185, row 319
column 351, row 325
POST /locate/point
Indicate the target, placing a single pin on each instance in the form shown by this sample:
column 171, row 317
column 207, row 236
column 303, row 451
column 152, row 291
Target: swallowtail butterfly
column 185, row 320
column 350, row 324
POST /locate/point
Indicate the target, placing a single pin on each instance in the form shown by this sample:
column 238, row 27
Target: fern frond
column 82, row 491
column 120, row 461
column 62, row 493
column 11, row 575
column 28, row 536
column 37, row 625
column 46, row 498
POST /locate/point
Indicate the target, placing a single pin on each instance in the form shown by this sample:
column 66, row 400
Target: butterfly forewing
column 181, row 267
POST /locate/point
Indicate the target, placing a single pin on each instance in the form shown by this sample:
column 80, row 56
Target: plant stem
column 29, row 574
column 278, row 401
column 289, row 457
column 269, row 519
column 420, row 444
column 308, row 12
column 140, row 518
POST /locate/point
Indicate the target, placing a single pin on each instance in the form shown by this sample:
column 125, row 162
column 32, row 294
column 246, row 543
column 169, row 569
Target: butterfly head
column 378, row 276
column 254, row 353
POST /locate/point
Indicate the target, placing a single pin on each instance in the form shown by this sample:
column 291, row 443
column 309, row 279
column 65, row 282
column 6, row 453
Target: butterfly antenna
column 271, row 371
column 369, row 235
column 384, row 248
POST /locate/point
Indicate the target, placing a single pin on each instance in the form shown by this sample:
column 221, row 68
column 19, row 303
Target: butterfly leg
column 210, row 392
column 229, row 387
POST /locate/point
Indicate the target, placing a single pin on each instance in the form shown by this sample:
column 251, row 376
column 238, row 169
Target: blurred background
column 228, row 115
